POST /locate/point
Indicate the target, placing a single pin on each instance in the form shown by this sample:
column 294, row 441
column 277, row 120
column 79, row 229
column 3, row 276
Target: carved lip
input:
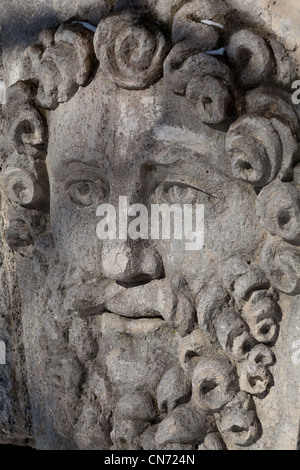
column 110, row 297
column 87, row 309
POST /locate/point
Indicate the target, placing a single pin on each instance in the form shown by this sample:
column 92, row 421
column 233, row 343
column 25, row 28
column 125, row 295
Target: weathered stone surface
column 138, row 343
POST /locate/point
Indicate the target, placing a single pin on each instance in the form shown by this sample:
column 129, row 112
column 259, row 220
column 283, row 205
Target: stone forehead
column 105, row 122
column 103, row 111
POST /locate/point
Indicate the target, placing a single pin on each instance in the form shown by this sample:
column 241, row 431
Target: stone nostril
column 156, row 272
column 151, row 264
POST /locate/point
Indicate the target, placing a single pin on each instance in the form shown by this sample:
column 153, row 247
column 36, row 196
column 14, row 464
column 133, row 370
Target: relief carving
column 143, row 345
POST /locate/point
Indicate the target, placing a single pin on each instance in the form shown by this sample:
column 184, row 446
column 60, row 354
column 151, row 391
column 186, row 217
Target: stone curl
column 205, row 80
column 214, row 383
column 251, row 56
column 261, row 144
column 173, row 389
column 201, row 23
column 255, row 149
column 238, row 422
column 278, row 208
column 130, row 50
column 233, row 335
column 26, row 126
column 184, row 425
column 281, row 262
column 255, row 376
column 61, row 61
column 263, row 315
column 21, row 186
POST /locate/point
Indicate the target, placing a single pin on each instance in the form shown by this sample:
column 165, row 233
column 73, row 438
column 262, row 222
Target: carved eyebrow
column 199, row 143
column 86, row 156
column 82, row 159
column 204, row 190
column 80, row 162
column 194, row 146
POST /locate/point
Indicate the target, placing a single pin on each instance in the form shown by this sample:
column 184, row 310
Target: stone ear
column 60, row 62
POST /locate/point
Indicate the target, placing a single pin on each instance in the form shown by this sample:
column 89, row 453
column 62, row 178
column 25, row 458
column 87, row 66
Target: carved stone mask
column 142, row 344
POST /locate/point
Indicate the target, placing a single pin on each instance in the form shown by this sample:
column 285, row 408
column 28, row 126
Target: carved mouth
column 134, row 299
column 135, row 282
column 166, row 299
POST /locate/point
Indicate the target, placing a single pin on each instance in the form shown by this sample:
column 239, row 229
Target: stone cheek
column 142, row 344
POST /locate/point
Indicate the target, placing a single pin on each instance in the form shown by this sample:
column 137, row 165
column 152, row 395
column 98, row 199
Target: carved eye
column 86, row 193
column 176, row 194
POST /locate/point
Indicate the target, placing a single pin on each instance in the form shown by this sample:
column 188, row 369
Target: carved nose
column 131, row 264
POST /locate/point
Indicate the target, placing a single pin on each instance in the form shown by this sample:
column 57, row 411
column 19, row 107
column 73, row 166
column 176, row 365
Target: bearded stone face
column 143, row 344
column 150, row 146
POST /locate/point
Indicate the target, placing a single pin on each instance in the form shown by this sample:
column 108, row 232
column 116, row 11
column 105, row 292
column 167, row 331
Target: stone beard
column 142, row 344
